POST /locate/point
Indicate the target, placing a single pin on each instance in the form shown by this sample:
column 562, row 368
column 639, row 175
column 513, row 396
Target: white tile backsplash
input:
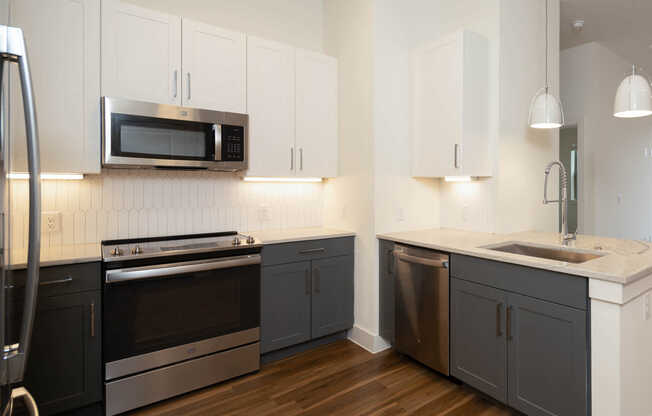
column 144, row 203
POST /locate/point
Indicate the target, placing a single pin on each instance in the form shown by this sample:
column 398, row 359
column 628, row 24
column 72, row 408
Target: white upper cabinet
column 214, row 67
column 270, row 104
column 316, row 115
column 450, row 107
column 63, row 43
column 141, row 53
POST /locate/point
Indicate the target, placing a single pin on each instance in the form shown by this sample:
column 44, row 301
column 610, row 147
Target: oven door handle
column 173, row 269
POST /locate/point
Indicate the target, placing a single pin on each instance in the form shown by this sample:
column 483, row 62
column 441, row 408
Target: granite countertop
column 298, row 234
column 624, row 262
column 56, row 256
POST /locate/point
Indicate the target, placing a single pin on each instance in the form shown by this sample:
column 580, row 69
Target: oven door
column 158, row 315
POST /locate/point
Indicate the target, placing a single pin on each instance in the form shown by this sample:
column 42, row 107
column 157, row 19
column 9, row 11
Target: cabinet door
column 436, row 98
column 387, row 293
column 63, row 42
column 214, row 68
column 478, row 341
column 141, row 53
column 285, row 306
column 64, row 366
column 316, row 115
column 332, row 295
column 547, row 358
column 270, row 104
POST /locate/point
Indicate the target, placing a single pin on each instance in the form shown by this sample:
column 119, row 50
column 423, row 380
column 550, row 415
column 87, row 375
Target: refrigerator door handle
column 13, row 49
column 30, row 403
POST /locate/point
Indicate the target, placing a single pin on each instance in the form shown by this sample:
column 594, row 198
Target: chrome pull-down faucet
column 566, row 237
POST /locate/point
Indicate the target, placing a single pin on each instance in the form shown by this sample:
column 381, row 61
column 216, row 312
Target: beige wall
column 615, row 173
column 296, row 22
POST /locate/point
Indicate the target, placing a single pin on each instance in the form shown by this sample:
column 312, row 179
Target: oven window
column 143, row 316
column 155, row 138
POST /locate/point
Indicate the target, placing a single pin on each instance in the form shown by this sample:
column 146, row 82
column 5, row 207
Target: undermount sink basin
column 568, row 255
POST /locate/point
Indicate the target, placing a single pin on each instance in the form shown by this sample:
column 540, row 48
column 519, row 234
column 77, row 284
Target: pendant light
column 546, row 111
column 634, row 97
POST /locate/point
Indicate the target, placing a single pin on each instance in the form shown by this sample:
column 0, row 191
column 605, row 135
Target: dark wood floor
column 336, row 379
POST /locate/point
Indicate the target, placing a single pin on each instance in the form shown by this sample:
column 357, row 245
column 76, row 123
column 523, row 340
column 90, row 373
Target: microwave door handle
column 217, row 140
column 13, row 49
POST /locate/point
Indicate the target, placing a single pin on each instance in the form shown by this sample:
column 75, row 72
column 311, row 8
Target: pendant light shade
column 546, row 111
column 634, row 97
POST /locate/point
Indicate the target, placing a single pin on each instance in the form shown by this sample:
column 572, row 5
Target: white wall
column 348, row 199
column 616, row 175
column 296, row 22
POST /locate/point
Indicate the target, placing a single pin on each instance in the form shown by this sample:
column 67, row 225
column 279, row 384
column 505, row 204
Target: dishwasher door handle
column 424, row 261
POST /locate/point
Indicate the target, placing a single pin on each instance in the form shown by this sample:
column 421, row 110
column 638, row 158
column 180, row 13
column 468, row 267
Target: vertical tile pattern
column 143, row 203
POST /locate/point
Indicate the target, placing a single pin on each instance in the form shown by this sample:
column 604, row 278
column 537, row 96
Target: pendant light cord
column 546, row 45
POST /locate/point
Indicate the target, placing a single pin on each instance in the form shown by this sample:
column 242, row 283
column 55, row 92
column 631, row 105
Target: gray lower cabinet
column 64, row 364
column 479, row 344
column 306, row 291
column 332, row 298
column 387, row 299
column 529, row 353
column 547, row 358
column 285, row 305
column 63, row 370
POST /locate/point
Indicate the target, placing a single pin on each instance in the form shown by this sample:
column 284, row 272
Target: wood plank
column 340, row 378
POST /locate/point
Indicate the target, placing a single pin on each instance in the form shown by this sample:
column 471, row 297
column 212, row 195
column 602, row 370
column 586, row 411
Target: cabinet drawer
column 554, row 287
column 60, row 280
column 306, row 250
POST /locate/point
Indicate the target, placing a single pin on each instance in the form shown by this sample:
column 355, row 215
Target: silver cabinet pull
column 312, row 251
column 175, row 269
column 509, row 323
column 317, row 275
column 175, row 88
column 291, row 158
column 307, row 281
column 421, row 260
column 499, row 332
column 93, row 319
column 458, row 156
column 301, row 158
column 13, row 49
column 66, row 279
column 188, row 76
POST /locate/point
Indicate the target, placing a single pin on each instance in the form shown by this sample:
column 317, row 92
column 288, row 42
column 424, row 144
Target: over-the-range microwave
column 139, row 134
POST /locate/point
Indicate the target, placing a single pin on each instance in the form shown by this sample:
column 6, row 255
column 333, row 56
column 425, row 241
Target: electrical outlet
column 264, row 213
column 400, row 214
column 647, row 307
column 51, row 222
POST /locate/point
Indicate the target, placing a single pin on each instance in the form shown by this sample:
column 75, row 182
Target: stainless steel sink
column 550, row 253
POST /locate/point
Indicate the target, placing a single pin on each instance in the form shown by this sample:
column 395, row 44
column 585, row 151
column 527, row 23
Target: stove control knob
column 251, row 240
column 137, row 250
column 236, row 241
column 116, row 251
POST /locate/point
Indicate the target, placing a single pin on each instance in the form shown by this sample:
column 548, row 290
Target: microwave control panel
column 233, row 143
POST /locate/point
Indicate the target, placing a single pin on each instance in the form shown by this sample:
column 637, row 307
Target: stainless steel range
column 180, row 313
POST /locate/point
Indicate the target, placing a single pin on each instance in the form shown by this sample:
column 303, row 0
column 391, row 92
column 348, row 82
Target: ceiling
column 624, row 26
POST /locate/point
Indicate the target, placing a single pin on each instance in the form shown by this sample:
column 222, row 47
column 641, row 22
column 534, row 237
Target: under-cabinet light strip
column 47, row 176
column 259, row 179
column 457, row 178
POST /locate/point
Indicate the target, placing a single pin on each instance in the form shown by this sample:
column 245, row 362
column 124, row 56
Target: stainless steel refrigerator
column 15, row 352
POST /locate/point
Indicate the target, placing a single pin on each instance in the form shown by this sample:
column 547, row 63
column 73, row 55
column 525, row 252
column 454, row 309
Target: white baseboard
column 367, row 340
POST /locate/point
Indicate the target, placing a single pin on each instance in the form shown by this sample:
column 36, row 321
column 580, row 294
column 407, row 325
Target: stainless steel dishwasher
column 422, row 299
